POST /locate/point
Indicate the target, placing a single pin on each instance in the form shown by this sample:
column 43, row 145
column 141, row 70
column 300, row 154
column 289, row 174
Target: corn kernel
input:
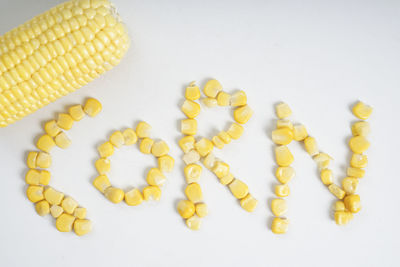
column 51, row 128
column 187, row 143
column 45, row 143
column 223, row 99
column 31, row 159
column 284, row 124
column 282, row 190
column 352, row 203
column 192, row 92
column 52, row 196
column 155, row 177
column 191, row 109
column 194, row 223
column 225, row 137
column 209, row 102
column 227, row 179
column 350, row 184
column 283, row 110
column 204, row 147
column 218, row 142
column 143, row 129
column 133, row 197
column 146, row 145
column 62, row 140
column 166, row 163
column 191, row 157
column 358, row 144
column 69, row 205
column 65, row 121
column 339, row 206
column 189, row 126
column 279, row 225
column 151, row 193
column 192, row 172
column 117, row 139
column 362, row 111
column 101, row 183
column 76, row 112
column 221, row 169
column 42, row 207
column 80, row 213
column 82, row 227
column 56, row 211
column 283, row 156
column 238, row 99
column 193, row 192
column 159, row 149
column 360, row 128
column 282, row 136
column 130, row 136
column 44, row 177
column 358, row 161
column 209, row 161
column 212, row 88
column 201, row 209
column 103, row 165
column 299, row 132
column 106, row 149
column 355, row 172
column 311, row 146
column 322, row 160
column 43, row 160
column 65, row 222
column 32, row 177
column 235, row 131
column 326, row 176
column 343, row 217
column 115, row 195
column 239, row 189
column 279, row 206
column 242, row 114
column 92, row 107
column 248, row 203
column 186, row 208
column 35, row 193
column 336, row 191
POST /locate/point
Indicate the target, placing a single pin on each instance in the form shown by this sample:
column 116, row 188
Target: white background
column 318, row 56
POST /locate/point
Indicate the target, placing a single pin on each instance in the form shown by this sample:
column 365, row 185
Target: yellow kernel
column 103, row 165
column 45, row 143
column 166, row 163
column 65, row 121
column 194, row 223
column 82, row 227
column 92, row 107
column 76, row 112
column 282, row 190
column 151, row 193
column 31, row 159
column 361, row 128
column 189, row 126
column 311, row 146
column 43, row 160
column 191, row 157
column 32, row 177
column 248, row 203
column 283, row 156
column 159, row 149
column 358, row 144
column 221, row 169
column 186, row 208
column 282, row 136
column 343, row 217
column 336, row 191
column 42, row 207
column 284, row 124
column 201, row 209
column 62, row 140
column 106, row 149
column 212, row 88
column 235, row 131
column 192, row 172
column 51, row 128
column 143, row 129
column 238, row 99
column 115, row 195
column 186, row 143
column 69, row 205
column 80, row 213
column 209, row 102
column 358, row 161
column 283, row 110
column 101, row 183
column 239, row 189
column 223, row 99
column 299, row 132
column 218, row 142
column 242, row 114
column 117, row 139
column 362, row 111
column 204, row 147
column 155, row 177
column 209, row 161
column 350, row 184
column 279, row 206
column 65, row 222
column 191, row 109
column 193, row 192
column 355, row 172
column 56, row 211
column 130, row 136
column 322, row 160
column 326, row 176
column 225, row 137
column 279, row 225
column 44, row 177
column 133, row 197
column 52, row 196
column 145, row 145
column 35, row 193
column 192, row 92
column 227, row 179
column 339, row 206
column 352, row 203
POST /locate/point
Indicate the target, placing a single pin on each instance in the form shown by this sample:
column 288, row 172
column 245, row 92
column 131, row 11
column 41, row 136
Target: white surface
column 318, row 56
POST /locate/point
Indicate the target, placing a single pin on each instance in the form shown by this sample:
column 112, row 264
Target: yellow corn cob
column 56, row 53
